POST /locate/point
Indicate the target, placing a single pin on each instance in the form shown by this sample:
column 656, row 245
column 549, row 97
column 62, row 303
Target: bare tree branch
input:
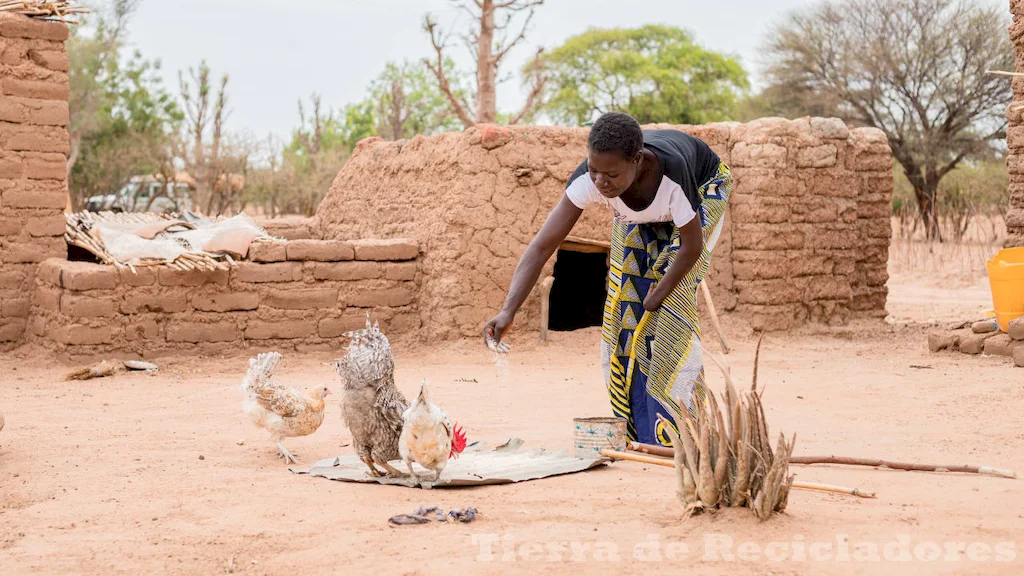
column 437, row 67
column 536, row 89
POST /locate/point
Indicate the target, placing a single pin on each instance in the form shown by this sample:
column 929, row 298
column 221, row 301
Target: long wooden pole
column 986, row 470
column 617, row 455
column 845, row 460
column 714, row 314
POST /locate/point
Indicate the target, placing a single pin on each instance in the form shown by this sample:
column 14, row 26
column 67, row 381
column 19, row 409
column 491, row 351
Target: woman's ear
column 639, row 157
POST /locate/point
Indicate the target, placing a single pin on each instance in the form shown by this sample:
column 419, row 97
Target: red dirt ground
column 141, row 474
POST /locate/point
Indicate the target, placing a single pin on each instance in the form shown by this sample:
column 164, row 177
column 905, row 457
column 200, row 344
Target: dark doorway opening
column 579, row 290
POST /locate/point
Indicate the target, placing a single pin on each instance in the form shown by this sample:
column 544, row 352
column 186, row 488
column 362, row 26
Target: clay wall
column 33, row 160
column 806, row 236
column 1015, row 134
column 300, row 294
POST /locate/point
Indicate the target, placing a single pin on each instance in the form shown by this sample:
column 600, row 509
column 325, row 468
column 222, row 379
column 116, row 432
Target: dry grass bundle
column 45, row 9
column 100, row 370
column 727, row 460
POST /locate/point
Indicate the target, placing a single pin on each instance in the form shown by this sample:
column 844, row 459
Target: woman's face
column 612, row 173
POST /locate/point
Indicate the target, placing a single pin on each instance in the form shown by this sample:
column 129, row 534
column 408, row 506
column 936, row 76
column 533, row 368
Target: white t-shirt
column 686, row 164
column 670, row 203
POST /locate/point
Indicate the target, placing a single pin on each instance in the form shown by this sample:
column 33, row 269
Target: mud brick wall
column 1015, row 134
column 806, row 237
column 33, row 160
column 302, row 294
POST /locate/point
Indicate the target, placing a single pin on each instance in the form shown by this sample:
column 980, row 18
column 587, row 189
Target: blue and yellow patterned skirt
column 650, row 359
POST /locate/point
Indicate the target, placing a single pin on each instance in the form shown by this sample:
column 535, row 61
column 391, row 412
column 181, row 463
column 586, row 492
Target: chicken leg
column 391, row 470
column 369, row 464
column 289, row 458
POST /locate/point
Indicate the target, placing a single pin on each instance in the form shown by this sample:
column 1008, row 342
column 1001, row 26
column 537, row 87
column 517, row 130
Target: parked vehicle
column 147, row 194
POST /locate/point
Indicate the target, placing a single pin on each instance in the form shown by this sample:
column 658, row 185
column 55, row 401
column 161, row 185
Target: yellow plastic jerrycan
column 1006, row 276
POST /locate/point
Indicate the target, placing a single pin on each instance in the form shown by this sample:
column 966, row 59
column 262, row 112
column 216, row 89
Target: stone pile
column 983, row 337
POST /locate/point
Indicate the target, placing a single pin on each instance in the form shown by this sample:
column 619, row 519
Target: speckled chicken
column 284, row 412
column 428, row 437
column 371, row 405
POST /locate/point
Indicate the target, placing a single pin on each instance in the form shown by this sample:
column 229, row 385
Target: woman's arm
column 551, row 235
column 691, row 243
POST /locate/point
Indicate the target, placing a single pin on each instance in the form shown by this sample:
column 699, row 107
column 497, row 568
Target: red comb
column 458, row 442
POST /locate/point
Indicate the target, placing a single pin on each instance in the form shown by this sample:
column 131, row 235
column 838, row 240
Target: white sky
column 278, row 51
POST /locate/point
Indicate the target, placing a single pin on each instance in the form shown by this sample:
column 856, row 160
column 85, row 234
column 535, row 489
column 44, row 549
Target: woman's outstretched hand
column 496, row 328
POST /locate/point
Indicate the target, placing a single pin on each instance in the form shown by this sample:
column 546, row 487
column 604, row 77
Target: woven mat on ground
column 503, row 464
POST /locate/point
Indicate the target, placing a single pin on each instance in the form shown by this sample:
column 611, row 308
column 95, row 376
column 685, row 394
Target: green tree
column 122, row 119
column 406, row 101
column 655, row 73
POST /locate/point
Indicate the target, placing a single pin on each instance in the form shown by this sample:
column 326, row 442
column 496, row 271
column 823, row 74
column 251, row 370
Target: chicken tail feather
column 261, row 368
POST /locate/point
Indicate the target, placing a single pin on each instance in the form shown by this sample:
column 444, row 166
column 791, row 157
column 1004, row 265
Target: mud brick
column 347, row 270
column 389, row 297
column 335, row 327
column 302, row 299
column 83, row 334
column 228, row 302
column 279, row 272
column 84, row 276
column 379, row 250
column 400, row 271
column 267, row 252
column 11, row 329
column 225, row 331
column 83, row 306
column 279, row 330
column 142, row 330
column 46, row 225
column 45, row 89
column 47, row 194
column 45, row 166
column 143, row 276
column 50, row 59
column 165, row 302
column 319, row 250
column 18, row 26
column 15, row 307
column 191, row 278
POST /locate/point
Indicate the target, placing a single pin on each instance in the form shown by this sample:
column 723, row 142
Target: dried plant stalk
column 728, row 459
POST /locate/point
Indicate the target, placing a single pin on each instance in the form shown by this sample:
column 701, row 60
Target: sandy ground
column 142, row 474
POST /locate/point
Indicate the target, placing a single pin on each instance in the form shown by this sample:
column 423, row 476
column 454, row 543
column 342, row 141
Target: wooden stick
column 545, row 306
column 833, row 488
column 714, row 314
column 651, row 449
column 986, row 470
column 846, row 460
column 617, row 455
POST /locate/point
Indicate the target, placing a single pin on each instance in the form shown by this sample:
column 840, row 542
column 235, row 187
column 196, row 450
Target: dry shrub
column 727, row 460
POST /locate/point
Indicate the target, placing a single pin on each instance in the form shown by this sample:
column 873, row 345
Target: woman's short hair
column 616, row 132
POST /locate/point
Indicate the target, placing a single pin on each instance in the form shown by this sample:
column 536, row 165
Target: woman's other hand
column 653, row 300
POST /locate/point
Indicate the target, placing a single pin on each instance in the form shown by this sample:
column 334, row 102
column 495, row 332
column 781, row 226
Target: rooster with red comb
column 428, row 436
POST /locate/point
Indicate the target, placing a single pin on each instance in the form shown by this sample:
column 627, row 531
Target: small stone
column 1016, row 328
column 240, row 442
column 984, row 327
column 1018, row 356
column 943, row 340
column 999, row 345
column 201, row 457
column 974, row 343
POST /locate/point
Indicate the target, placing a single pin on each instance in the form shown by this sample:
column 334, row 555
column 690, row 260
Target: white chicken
column 428, row 437
column 284, row 412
